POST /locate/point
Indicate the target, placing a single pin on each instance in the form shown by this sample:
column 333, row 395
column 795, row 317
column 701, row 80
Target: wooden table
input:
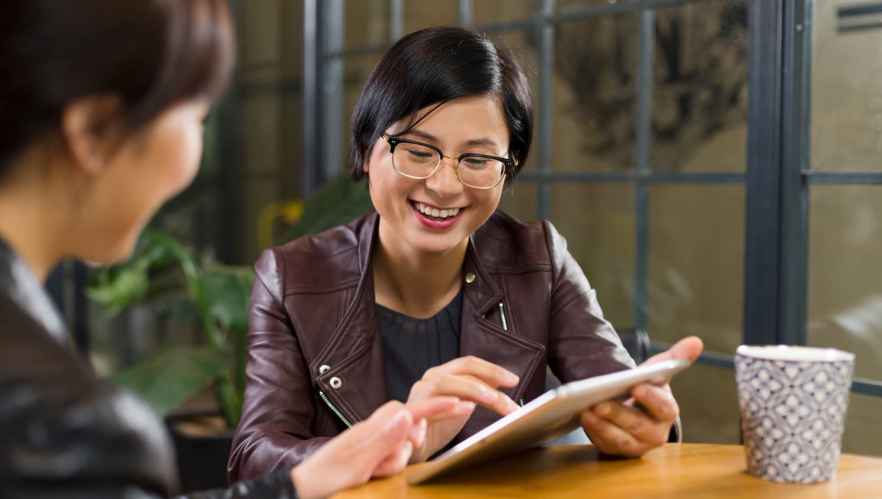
column 673, row 471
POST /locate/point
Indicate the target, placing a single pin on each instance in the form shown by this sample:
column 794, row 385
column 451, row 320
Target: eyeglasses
column 419, row 161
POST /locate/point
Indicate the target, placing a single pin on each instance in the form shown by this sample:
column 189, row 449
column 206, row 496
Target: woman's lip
column 435, row 224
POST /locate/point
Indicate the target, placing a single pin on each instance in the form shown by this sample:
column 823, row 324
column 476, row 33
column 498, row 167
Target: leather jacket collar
column 19, row 283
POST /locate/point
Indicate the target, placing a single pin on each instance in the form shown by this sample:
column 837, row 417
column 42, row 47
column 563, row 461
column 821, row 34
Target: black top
column 411, row 346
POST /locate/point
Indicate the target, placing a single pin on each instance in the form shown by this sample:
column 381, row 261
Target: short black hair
column 434, row 66
column 152, row 54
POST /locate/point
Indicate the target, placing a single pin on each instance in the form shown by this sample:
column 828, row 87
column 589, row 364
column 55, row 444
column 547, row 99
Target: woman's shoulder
column 506, row 243
column 326, row 259
column 71, row 415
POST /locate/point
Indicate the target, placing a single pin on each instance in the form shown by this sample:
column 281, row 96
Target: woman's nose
column 445, row 182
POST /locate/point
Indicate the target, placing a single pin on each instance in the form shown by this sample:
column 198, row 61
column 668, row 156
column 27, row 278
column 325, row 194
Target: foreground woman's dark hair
column 150, row 54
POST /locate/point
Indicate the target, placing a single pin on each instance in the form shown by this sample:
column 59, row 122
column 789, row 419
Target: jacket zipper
column 505, row 328
column 502, row 317
column 334, row 409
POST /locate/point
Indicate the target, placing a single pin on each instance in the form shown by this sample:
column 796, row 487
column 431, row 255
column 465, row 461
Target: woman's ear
column 88, row 127
column 366, row 164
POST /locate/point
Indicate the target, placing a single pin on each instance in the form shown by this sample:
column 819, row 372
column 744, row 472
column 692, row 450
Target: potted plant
column 213, row 299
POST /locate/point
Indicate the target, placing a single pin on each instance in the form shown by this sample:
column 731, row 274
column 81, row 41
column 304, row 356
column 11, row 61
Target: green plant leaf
column 170, row 378
column 338, row 202
column 135, row 281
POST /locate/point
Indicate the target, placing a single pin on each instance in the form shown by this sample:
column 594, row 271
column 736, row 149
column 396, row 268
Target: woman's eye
column 475, row 162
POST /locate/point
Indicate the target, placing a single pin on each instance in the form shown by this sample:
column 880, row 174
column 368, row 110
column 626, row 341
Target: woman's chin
column 435, row 245
column 110, row 254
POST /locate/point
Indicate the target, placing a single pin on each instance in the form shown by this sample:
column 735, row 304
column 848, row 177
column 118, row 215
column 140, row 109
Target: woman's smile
column 435, row 218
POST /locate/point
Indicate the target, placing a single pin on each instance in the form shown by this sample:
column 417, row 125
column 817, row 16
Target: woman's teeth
column 435, row 212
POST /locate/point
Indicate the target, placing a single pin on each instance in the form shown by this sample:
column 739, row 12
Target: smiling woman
column 436, row 292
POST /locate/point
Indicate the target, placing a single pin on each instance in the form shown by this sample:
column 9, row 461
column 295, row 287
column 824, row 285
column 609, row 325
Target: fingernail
column 417, row 430
column 465, row 407
column 512, row 406
column 602, row 410
column 397, row 420
column 514, row 378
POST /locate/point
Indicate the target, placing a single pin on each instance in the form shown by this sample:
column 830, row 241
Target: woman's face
column 148, row 169
column 469, row 124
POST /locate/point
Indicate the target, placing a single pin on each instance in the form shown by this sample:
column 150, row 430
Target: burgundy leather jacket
column 315, row 363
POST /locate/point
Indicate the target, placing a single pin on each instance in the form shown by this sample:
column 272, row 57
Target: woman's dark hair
column 151, row 54
column 434, row 66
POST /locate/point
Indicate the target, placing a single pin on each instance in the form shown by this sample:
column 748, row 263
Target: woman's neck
column 30, row 223
column 416, row 284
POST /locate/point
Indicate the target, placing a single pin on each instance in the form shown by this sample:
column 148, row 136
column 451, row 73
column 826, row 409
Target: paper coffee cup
column 793, row 402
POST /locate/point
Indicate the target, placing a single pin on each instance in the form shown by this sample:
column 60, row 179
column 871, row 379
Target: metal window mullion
column 331, row 92
column 763, row 235
column 643, row 144
column 466, row 13
column 815, row 177
column 545, row 32
column 312, row 51
column 396, row 20
column 632, row 176
column 867, row 387
column 795, row 139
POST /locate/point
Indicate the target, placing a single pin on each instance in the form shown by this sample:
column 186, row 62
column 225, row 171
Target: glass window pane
column 495, row 11
column 522, row 45
column 598, row 222
column 356, row 70
column 366, row 23
column 862, row 435
column 845, row 284
column 594, row 93
column 519, row 201
column 696, row 264
column 699, row 101
column 846, row 104
column 705, row 422
column 419, row 14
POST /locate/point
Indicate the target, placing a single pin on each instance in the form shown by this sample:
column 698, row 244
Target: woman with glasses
column 436, row 292
column 101, row 110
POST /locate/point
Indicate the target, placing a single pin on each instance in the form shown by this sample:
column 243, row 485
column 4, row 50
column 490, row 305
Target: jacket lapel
column 485, row 334
column 354, row 381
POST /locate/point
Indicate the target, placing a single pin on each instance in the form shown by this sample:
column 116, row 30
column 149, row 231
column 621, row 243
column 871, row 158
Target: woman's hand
column 643, row 422
column 379, row 446
column 470, row 379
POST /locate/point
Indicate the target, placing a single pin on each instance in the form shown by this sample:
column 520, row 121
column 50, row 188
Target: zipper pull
column 502, row 316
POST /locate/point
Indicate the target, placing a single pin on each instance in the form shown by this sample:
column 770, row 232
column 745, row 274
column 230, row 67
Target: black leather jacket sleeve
column 66, row 434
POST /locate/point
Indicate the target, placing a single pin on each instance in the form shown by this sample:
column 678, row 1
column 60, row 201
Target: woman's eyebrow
column 483, row 141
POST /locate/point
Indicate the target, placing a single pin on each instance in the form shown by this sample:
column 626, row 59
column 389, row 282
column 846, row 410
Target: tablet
column 552, row 414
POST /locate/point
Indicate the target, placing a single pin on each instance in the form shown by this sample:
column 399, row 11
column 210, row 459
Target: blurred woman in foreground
column 101, row 110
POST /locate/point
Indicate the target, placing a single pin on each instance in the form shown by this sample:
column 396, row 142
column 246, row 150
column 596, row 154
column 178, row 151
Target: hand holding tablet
column 561, row 410
column 636, row 426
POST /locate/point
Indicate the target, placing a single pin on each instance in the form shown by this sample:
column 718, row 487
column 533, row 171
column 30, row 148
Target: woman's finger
column 488, row 372
column 432, row 406
column 396, row 461
column 473, row 389
column 657, row 401
column 609, row 438
column 632, row 421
